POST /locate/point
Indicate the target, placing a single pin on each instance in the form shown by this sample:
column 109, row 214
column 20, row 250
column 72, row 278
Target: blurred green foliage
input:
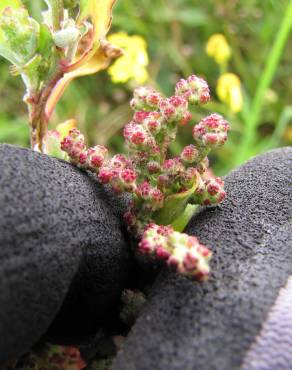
column 176, row 32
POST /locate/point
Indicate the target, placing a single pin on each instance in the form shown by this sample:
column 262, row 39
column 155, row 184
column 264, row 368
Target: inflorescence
column 161, row 187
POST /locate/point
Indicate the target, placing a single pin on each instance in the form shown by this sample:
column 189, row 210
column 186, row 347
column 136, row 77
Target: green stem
column 265, row 81
column 182, row 221
column 57, row 9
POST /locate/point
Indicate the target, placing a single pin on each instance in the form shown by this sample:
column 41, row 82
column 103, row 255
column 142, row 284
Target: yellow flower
column 132, row 64
column 217, row 48
column 229, row 91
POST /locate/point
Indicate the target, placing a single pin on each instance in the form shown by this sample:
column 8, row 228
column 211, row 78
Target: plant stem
column 37, row 112
column 57, row 10
column 265, row 81
column 181, row 222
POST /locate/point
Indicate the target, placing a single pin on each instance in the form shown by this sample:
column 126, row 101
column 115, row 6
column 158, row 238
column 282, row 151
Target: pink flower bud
column 162, row 253
column 194, row 89
column 186, row 118
column 96, row 157
column 189, row 154
column 137, row 136
column 140, row 116
column 200, row 90
column 211, row 131
column 173, row 166
column 156, row 199
column 153, row 99
column 174, row 108
column 82, row 158
column 153, row 167
column 105, row 175
column 209, row 192
column 129, row 176
column 143, row 190
column 203, row 165
column 119, row 161
column 153, row 126
column 130, row 218
column 74, row 146
column 145, row 98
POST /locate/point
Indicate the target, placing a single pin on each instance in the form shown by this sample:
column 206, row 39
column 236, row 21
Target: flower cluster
column 161, row 187
column 181, row 252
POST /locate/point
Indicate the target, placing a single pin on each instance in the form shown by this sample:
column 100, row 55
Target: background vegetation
column 176, row 33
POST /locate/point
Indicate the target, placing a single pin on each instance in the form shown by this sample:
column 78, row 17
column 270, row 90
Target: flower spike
column 161, row 187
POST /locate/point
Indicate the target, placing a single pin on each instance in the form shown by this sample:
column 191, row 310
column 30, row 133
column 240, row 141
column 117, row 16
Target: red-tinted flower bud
column 153, row 99
column 74, row 146
column 189, row 154
column 182, row 253
column 96, row 157
column 173, row 166
column 128, row 176
column 130, row 218
column 194, row 89
column 153, row 167
column 211, row 131
column 210, row 192
column 143, row 190
column 105, row 175
column 186, row 118
column 145, row 98
column 174, row 108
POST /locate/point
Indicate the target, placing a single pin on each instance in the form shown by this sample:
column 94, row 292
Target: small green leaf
column 18, row 36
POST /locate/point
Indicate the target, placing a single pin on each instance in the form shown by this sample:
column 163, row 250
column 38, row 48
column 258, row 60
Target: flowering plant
column 70, row 42
column 164, row 191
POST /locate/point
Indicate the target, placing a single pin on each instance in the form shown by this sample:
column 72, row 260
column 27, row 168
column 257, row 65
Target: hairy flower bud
column 173, row 166
column 153, row 99
column 74, row 146
column 153, row 167
column 144, row 98
column 174, row 108
column 210, row 191
column 105, row 175
column 137, row 136
column 186, row 118
column 96, row 157
column 143, row 190
column 189, row 154
column 130, row 218
column 194, row 89
column 156, row 199
column 211, row 131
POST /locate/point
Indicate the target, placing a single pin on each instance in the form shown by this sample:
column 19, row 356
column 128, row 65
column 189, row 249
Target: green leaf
column 18, row 36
